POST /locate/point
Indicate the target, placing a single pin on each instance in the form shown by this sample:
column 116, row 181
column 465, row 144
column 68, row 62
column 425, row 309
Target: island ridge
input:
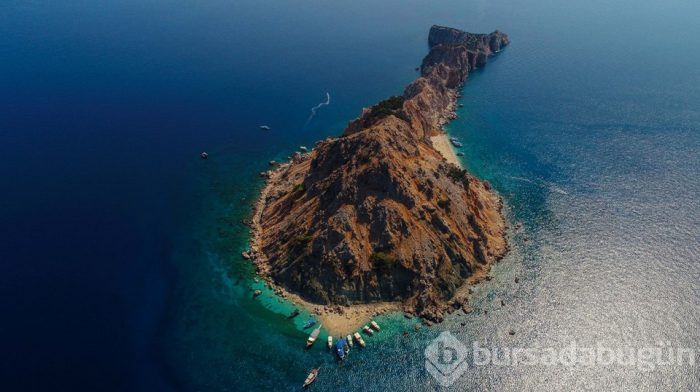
column 379, row 218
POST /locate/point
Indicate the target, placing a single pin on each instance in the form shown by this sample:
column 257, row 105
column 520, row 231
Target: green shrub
column 444, row 204
column 456, row 174
column 301, row 240
column 383, row 260
column 390, row 106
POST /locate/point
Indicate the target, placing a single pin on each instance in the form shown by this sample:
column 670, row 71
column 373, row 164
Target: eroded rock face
column 378, row 214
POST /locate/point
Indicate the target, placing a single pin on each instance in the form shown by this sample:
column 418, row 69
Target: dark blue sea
column 120, row 265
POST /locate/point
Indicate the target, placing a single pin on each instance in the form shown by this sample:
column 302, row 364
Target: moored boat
column 349, row 339
column 310, row 324
column 265, row 127
column 367, row 330
column 456, row 143
column 312, row 338
column 330, row 342
column 375, row 325
column 340, row 348
column 359, row 339
column 311, row 377
column 294, row 314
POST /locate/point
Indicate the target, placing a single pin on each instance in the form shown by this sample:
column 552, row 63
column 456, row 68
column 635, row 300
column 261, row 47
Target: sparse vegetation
column 444, row 204
column 299, row 187
column 390, row 106
column 456, row 174
column 383, row 260
column 301, row 241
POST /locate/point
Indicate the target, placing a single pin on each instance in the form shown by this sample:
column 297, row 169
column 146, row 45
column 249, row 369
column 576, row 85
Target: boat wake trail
column 315, row 108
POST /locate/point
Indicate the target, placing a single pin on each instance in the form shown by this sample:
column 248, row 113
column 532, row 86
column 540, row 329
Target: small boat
column 303, row 149
column 460, row 154
column 374, row 325
column 312, row 338
column 349, row 339
column 204, row 155
column 457, row 144
column 311, row 377
column 454, row 139
column 309, row 324
column 340, row 348
column 256, row 293
column 293, row 314
column 367, row 330
column 359, row 339
column 330, row 342
column 265, row 127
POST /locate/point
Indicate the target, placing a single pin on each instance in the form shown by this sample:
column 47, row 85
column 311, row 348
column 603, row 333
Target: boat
column 367, row 330
column 454, row 139
column 293, row 314
column 340, row 348
column 330, row 342
column 359, row 339
column 460, row 154
column 311, row 377
column 310, row 324
column 303, row 149
column 349, row 339
column 256, row 293
column 312, row 338
column 374, row 325
column 265, row 127
column 204, row 155
column 456, row 144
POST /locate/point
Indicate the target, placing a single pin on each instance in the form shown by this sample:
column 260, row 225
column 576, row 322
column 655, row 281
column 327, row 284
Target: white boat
column 456, row 144
column 330, row 342
column 359, row 339
column 310, row 378
column 312, row 338
column 303, row 148
column 349, row 339
column 374, row 325
column 265, row 127
column 367, row 330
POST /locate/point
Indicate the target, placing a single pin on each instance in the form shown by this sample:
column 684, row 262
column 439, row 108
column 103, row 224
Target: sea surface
column 120, row 265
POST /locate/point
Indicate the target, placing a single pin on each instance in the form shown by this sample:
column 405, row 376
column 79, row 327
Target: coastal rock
column 377, row 214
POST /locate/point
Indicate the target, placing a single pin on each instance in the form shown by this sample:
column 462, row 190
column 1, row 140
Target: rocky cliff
column 377, row 214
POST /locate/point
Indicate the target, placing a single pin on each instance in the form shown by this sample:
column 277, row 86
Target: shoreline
column 442, row 144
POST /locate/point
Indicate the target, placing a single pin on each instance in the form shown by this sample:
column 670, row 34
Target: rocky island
column 383, row 214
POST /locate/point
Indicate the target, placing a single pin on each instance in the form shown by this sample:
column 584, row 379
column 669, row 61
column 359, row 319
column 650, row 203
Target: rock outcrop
column 378, row 214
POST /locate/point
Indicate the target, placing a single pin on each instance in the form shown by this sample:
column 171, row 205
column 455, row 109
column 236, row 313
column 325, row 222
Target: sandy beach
column 340, row 320
column 442, row 143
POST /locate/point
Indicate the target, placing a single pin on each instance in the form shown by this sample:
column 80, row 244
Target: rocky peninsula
column 379, row 218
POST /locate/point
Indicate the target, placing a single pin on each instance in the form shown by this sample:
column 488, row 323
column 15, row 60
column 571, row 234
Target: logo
column 445, row 359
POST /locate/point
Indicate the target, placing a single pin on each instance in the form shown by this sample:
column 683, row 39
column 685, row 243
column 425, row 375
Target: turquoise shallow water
column 587, row 125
